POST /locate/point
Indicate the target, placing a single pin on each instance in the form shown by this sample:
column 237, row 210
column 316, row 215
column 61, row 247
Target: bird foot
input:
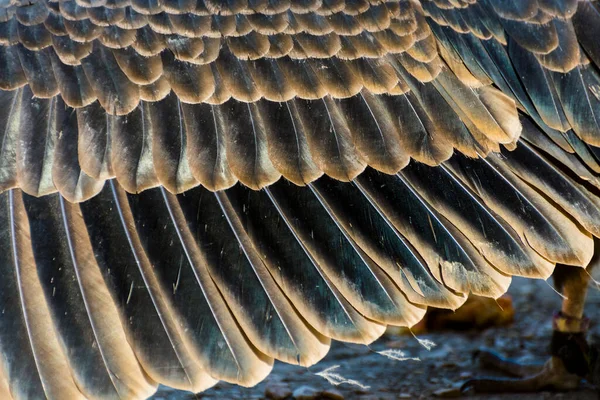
column 573, row 360
column 525, row 377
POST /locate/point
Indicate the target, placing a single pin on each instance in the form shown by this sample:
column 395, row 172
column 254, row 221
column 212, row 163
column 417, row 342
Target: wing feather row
column 238, row 278
column 48, row 146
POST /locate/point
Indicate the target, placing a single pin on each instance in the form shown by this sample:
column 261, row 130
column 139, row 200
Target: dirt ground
column 449, row 362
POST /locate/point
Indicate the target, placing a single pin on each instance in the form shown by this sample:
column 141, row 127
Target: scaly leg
column 571, row 356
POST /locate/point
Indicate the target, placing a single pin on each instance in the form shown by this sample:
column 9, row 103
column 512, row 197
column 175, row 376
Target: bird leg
column 571, row 357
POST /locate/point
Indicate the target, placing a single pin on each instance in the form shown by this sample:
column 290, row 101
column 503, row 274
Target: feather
column 73, row 184
column 103, row 16
column 12, row 75
column 365, row 225
column 246, row 144
column 298, row 209
column 147, row 7
column 10, row 129
column 377, row 76
column 280, row 45
column 492, row 59
column 40, row 124
column 287, row 144
column 169, row 142
column 237, row 78
column 267, row 74
column 337, row 77
column 191, row 83
column 514, row 9
column 155, row 91
column 34, row 37
column 131, row 150
column 151, row 328
column 185, row 49
column 539, row 85
column 586, row 23
column 363, row 45
column 228, row 7
column 255, row 299
column 221, row 93
column 223, row 25
column 343, row 24
column 9, row 35
column 189, row 25
column 206, row 149
column 252, row 46
column 585, row 167
column 313, row 24
column 555, row 237
column 451, row 258
column 537, row 38
column 581, row 107
column 69, row 51
column 114, row 37
column 419, row 136
column 212, row 49
column 310, row 46
column 495, row 240
column 268, row 24
column 93, row 141
column 566, row 56
column 206, row 325
column 304, row 6
column 74, row 294
column 375, row 134
column 42, row 84
column 34, row 354
column 531, row 166
column 72, row 11
column 82, row 31
column 139, row 69
column 179, row 7
column 35, row 14
column 148, row 43
column 488, row 110
column 116, row 94
column 75, row 89
column 329, row 138
column 302, row 78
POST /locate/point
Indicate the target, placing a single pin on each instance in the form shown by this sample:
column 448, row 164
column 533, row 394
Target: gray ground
column 449, row 362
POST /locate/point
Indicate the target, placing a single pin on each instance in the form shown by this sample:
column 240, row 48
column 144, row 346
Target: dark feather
column 40, row 124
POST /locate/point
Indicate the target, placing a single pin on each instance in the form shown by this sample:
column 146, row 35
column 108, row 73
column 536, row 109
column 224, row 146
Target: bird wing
column 131, row 256
column 183, row 93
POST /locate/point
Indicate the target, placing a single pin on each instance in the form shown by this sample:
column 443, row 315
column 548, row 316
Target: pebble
column 405, row 396
column 278, row 391
column 306, row 393
column 448, row 393
column 369, row 397
column 332, row 394
column 466, row 375
column 440, row 353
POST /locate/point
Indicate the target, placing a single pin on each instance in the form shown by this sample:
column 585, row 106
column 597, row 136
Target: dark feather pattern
column 226, row 235
column 191, row 190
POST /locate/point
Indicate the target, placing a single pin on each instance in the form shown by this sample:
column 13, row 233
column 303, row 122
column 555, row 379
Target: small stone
column 448, row 393
column 405, row 396
column 466, row 375
column 277, row 391
column 332, row 394
column 369, row 397
column 276, row 378
column 306, row 393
